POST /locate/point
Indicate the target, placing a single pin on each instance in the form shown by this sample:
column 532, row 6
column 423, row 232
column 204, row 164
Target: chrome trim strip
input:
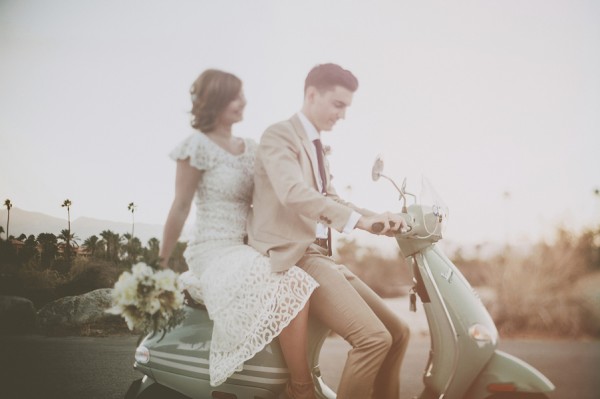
column 193, row 359
column 173, row 356
column 235, row 376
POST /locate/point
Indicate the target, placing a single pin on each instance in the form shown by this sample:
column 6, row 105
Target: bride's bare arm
column 186, row 181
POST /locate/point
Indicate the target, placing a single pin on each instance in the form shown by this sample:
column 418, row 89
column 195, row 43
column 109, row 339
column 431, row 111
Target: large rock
column 17, row 315
column 76, row 313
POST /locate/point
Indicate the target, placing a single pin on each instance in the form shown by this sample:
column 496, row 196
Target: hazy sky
column 482, row 97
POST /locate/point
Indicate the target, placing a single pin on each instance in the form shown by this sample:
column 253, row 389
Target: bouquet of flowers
column 148, row 300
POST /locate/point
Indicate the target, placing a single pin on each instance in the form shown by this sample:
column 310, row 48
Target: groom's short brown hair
column 326, row 76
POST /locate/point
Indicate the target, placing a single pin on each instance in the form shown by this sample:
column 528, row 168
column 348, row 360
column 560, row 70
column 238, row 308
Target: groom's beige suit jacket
column 287, row 203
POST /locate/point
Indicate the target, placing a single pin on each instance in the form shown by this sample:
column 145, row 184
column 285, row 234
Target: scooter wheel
column 133, row 389
column 154, row 391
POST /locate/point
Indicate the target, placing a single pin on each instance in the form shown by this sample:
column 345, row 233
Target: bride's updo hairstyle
column 211, row 92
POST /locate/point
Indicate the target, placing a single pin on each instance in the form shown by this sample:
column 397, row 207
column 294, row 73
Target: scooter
column 464, row 361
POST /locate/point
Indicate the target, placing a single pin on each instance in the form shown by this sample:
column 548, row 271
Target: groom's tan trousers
column 351, row 309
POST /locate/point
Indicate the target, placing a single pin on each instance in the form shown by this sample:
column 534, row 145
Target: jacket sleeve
column 279, row 151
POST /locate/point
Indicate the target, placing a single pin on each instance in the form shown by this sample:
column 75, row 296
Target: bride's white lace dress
column 248, row 303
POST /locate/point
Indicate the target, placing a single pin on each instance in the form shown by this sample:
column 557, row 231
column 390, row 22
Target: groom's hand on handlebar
column 386, row 223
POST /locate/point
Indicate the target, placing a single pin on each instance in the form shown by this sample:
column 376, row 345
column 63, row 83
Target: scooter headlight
column 480, row 332
column 142, row 354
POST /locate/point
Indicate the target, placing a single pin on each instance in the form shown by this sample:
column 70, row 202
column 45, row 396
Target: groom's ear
column 310, row 93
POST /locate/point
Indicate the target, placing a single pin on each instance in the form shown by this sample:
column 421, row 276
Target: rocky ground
column 73, row 315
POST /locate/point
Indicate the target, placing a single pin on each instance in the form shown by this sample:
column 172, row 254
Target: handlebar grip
column 377, row 227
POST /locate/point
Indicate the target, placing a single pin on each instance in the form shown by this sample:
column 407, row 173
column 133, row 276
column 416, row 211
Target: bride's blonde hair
column 211, row 92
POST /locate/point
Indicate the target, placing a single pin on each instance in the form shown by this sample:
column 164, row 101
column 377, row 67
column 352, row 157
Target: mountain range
column 27, row 222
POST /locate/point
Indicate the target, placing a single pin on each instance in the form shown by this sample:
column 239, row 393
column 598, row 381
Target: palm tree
column 132, row 246
column 91, row 244
column 8, row 205
column 111, row 243
column 67, row 204
column 70, row 240
column 29, row 250
column 131, row 207
column 116, row 245
column 49, row 246
column 106, row 234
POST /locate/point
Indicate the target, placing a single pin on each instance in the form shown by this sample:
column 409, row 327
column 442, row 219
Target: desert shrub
column 535, row 291
column 8, row 255
column 38, row 285
column 387, row 276
column 88, row 275
column 587, row 292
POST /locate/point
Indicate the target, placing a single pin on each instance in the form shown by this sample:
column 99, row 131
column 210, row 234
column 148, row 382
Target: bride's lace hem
column 248, row 318
column 228, row 356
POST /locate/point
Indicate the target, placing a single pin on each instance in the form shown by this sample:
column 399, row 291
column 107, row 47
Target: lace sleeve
column 252, row 146
column 194, row 148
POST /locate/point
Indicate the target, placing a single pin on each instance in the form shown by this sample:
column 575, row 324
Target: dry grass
column 551, row 290
column 537, row 293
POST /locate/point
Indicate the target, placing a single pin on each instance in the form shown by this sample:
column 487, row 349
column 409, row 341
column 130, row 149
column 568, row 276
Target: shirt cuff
column 351, row 223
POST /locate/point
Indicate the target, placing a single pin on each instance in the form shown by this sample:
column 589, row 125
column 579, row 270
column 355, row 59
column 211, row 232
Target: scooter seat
column 191, row 302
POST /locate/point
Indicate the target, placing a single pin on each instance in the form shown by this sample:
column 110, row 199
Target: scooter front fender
column 504, row 373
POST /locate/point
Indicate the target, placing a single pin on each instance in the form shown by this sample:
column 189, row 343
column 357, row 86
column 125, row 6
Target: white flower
column 141, row 269
column 166, row 280
column 153, row 306
column 148, row 300
column 126, row 289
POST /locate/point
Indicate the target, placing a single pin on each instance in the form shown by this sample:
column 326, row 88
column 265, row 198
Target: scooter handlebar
column 378, row 227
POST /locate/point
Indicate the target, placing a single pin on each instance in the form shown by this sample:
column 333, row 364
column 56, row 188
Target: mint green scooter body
column 179, row 361
column 459, row 366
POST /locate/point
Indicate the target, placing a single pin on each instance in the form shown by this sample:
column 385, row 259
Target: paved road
column 35, row 367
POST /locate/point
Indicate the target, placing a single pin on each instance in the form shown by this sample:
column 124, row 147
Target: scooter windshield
column 430, row 200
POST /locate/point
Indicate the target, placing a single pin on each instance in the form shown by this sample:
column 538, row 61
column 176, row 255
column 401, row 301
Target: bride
column 249, row 304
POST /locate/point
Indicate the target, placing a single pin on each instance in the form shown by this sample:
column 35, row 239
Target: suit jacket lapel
column 309, row 148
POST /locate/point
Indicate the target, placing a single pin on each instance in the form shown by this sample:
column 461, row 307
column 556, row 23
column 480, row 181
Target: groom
column 294, row 209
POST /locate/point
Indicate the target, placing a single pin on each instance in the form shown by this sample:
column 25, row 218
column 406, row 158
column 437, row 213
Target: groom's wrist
column 352, row 222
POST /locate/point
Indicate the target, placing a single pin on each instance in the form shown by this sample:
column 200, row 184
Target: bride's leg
column 294, row 341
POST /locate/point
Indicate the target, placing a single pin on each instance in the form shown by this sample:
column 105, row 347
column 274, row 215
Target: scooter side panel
column 179, row 360
column 443, row 354
column 201, row 389
column 460, row 307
